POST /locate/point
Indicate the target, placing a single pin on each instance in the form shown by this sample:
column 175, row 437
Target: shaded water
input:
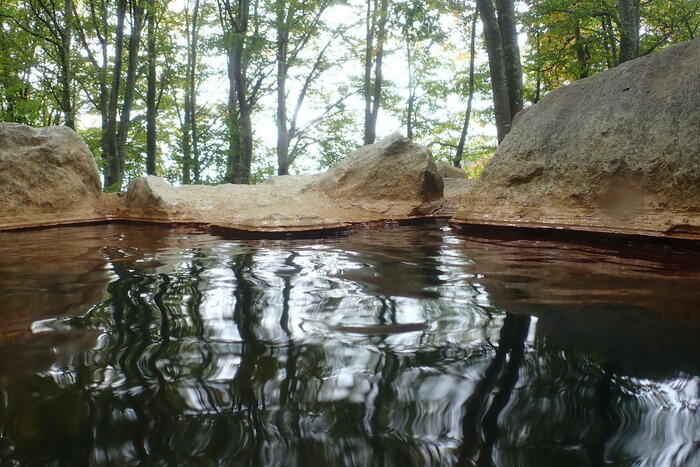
column 399, row 346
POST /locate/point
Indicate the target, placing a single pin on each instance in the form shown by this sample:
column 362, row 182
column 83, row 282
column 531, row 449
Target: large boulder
column 392, row 179
column 47, row 175
column 616, row 152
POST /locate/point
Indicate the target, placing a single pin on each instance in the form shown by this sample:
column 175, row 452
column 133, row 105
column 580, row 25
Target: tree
column 137, row 10
column 21, row 99
column 247, row 70
column 459, row 152
column 53, row 26
column 628, row 11
column 190, row 140
column 376, row 30
column 418, row 26
column 502, row 63
column 151, row 93
column 110, row 142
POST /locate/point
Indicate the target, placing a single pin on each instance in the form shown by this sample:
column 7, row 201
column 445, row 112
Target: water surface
column 396, row 346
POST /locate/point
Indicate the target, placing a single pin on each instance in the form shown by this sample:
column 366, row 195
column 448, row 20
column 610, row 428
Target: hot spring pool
column 416, row 345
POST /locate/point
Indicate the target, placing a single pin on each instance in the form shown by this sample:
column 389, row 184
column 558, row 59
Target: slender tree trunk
column 581, row 54
column 411, row 94
column 242, row 171
column 511, row 54
column 499, row 82
column 66, row 78
column 282, row 69
column 188, row 130
column 538, row 77
column 113, row 169
column 246, row 144
column 151, row 110
column 241, row 132
column 613, row 42
column 369, row 55
column 468, row 113
column 233, row 121
column 129, row 85
column 196, row 169
column 629, row 29
column 186, row 176
column 371, row 134
column 103, row 101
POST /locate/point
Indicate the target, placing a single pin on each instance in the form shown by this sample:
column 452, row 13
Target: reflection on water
column 402, row 346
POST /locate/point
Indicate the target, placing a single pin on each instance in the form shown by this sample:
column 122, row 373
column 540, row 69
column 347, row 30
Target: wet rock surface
column 617, row 152
column 47, row 175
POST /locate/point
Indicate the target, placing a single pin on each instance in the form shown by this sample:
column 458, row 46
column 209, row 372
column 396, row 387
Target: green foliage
column 573, row 39
column 426, row 64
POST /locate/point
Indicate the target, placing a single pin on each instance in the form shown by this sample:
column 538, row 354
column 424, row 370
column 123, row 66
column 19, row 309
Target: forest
column 235, row 91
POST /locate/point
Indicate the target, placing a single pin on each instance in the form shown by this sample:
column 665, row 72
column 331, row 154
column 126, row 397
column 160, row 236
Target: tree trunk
column 629, row 29
column 196, row 169
column 282, row 69
column 367, row 83
column 611, row 38
column 113, row 168
column 242, row 171
column 378, row 77
column 240, row 126
column 581, row 53
column 189, row 127
column 129, row 85
column 468, row 113
column 411, row 94
column 499, row 82
column 151, row 110
column 538, row 77
column 66, row 78
column 511, row 54
column 234, row 152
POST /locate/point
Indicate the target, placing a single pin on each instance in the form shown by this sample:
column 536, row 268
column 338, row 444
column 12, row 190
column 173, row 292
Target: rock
column 455, row 188
column 394, row 169
column 47, row 176
column 450, row 171
column 617, row 152
column 393, row 179
column 152, row 198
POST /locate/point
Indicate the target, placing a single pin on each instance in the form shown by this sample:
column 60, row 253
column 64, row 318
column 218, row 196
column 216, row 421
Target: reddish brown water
column 399, row 346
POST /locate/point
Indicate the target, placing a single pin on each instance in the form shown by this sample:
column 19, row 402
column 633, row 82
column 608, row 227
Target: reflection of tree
column 287, row 289
column 249, row 410
column 154, row 389
column 608, row 417
column 132, row 322
column 479, row 417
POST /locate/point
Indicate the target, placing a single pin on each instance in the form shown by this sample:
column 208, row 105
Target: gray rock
column 616, row 152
